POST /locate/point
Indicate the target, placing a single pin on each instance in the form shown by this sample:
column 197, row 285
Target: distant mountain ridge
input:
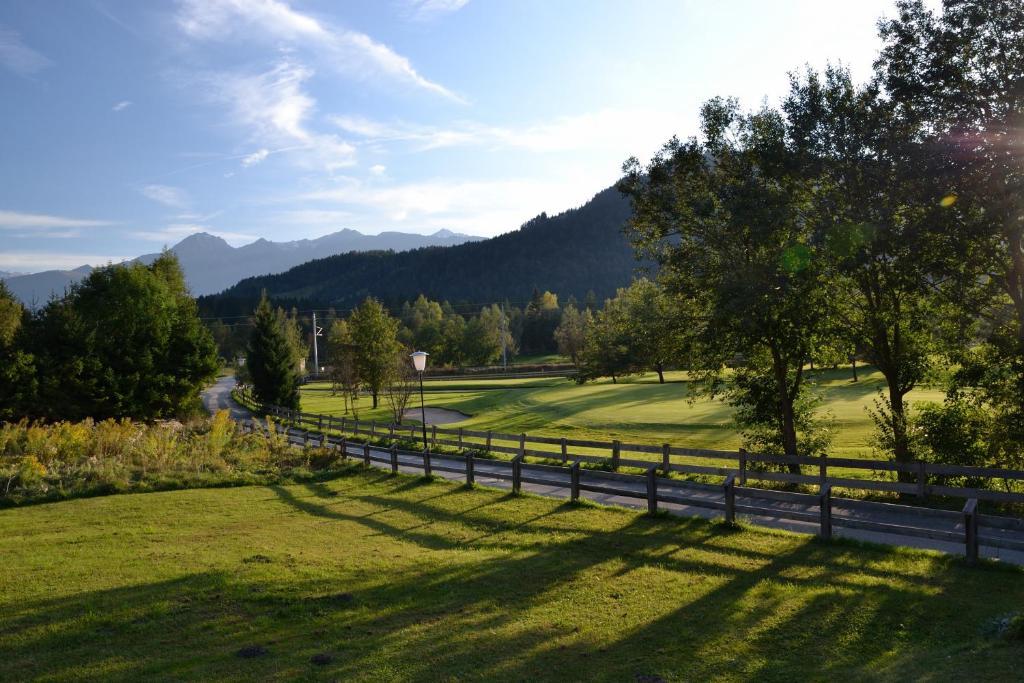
column 579, row 251
column 211, row 264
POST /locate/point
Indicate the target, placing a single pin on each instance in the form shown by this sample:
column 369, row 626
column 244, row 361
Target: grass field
column 391, row 578
column 637, row 410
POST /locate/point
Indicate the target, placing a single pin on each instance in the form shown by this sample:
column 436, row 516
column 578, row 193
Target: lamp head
column 419, row 360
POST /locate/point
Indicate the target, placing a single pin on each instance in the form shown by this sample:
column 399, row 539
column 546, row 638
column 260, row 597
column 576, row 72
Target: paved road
column 218, row 397
column 556, row 485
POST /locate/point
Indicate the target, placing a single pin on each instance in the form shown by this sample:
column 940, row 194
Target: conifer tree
column 273, row 357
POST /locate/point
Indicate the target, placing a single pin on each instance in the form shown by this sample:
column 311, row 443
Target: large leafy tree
column 273, row 356
column 725, row 216
column 375, row 339
column 571, row 333
column 958, row 76
column 884, row 233
column 17, row 374
column 126, row 342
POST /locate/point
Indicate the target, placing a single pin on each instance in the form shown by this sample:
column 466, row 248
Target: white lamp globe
column 419, row 360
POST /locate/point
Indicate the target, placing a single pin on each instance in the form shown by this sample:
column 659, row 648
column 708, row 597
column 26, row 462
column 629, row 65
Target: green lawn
column 637, row 410
column 391, row 578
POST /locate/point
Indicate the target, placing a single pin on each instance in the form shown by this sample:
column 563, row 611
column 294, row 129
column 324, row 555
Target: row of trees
column 884, row 217
column 125, row 342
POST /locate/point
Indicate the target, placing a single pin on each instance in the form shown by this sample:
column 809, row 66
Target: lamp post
column 419, row 361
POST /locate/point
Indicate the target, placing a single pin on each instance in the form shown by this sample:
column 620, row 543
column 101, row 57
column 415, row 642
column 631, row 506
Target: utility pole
column 317, row 332
column 504, row 338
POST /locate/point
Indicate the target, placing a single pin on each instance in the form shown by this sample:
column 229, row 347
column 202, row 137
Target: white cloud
column 429, row 9
column 122, row 105
column 18, row 57
column 175, row 232
column 378, row 169
column 39, row 221
column 35, row 261
column 256, row 157
column 166, row 195
column 275, row 108
column 351, row 52
column 482, row 207
column 623, row 131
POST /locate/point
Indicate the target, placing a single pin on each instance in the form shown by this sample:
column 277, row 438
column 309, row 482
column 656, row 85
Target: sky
column 127, row 126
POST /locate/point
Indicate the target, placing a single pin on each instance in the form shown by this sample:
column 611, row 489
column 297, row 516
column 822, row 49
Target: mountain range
column 211, row 264
column 577, row 252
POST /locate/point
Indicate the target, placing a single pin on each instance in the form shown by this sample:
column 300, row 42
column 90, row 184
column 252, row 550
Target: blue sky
column 129, row 125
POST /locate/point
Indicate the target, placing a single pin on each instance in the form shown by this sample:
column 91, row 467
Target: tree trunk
column 787, row 422
column 613, row 380
column 853, row 364
column 374, row 394
column 661, row 372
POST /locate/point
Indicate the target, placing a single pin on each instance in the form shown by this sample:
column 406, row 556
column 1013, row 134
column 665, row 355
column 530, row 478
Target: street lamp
column 419, row 361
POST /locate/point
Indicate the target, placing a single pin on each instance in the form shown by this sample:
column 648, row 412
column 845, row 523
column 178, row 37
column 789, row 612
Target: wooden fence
column 921, row 479
column 732, row 497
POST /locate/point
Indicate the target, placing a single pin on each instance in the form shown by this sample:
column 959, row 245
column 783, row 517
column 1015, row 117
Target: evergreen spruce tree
column 273, row 357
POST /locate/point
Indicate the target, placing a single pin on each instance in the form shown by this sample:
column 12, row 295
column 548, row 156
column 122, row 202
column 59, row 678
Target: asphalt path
column 846, row 514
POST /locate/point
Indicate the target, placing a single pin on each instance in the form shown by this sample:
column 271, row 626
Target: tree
column 401, row 386
column 540, row 319
column 608, row 346
column 342, row 368
column 125, row 342
column 876, row 209
column 725, row 219
column 17, row 371
column 273, row 356
column 655, row 326
column 375, row 336
column 958, row 77
column 571, row 333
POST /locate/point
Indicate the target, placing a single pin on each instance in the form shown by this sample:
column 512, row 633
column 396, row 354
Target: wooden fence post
column 730, row 499
column 460, row 439
column 616, row 452
column 574, row 481
column 823, row 470
column 825, row 501
column 488, row 446
column 344, row 447
column 323, row 439
column 343, row 421
column 320, row 422
column 305, row 437
column 666, row 463
column 743, row 467
column 922, row 480
column 366, row 453
column 652, row 490
column 373, row 429
column 391, row 432
column 565, row 449
column 522, row 442
column 426, row 462
column 433, row 436
column 517, row 473
column 971, row 530
column 470, row 475
column 394, row 459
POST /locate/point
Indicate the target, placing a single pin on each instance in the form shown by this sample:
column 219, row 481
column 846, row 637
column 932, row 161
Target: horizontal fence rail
column 918, row 479
column 821, row 509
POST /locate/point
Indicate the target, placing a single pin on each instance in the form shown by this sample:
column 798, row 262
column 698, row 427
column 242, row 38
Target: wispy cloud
column 35, row 261
column 122, row 105
column 275, row 108
column 18, row 57
column 624, row 131
column 425, row 10
column 472, row 206
column 173, row 233
column 350, row 52
column 45, row 222
column 167, row 195
column 378, row 169
column 256, row 157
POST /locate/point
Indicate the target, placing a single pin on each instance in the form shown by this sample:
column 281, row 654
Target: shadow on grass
column 494, row 590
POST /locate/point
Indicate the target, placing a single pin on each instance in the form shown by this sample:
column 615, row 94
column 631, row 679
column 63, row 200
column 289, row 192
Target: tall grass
column 65, row 459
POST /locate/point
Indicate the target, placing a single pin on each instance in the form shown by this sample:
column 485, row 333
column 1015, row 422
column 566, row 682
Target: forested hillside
column 579, row 251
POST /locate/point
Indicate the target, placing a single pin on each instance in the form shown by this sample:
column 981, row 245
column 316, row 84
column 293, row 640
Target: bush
column 51, row 461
